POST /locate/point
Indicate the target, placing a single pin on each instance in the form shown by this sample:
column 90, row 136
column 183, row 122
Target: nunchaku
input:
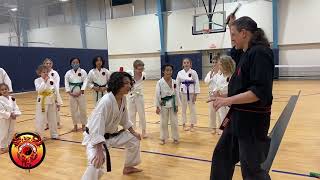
column 233, row 13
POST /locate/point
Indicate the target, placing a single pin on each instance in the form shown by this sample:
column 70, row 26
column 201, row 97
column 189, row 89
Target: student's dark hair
column 115, row 82
column 166, row 65
column 95, row 59
column 248, row 24
column 74, row 59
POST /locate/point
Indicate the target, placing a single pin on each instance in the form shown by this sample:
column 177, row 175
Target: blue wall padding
column 21, row 62
column 176, row 61
column 276, row 62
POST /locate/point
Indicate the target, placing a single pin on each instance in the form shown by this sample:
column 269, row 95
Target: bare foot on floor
column 144, row 135
column 162, row 142
column 185, row 128
column 175, row 141
column 75, row 128
column 131, row 170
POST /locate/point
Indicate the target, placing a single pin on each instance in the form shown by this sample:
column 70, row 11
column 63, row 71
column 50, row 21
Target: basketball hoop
column 206, row 32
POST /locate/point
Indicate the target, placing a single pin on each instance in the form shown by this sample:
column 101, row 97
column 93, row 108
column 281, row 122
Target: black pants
column 250, row 151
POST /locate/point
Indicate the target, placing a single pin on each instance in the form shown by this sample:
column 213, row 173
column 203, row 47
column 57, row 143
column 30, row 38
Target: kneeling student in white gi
column 167, row 101
column 102, row 130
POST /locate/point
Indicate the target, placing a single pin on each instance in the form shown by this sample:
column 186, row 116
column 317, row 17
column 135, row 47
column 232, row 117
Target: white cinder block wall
column 299, row 38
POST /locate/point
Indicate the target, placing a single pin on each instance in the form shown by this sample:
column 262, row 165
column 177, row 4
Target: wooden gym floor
column 66, row 159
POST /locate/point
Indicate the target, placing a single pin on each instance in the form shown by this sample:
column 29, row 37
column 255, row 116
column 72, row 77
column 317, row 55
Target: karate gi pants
column 50, row 116
column 136, row 104
column 132, row 158
column 192, row 108
column 165, row 115
column 78, row 108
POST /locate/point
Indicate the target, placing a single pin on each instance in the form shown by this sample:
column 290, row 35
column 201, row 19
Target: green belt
column 75, row 85
column 167, row 98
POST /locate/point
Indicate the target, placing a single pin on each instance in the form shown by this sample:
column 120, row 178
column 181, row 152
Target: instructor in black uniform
column 245, row 135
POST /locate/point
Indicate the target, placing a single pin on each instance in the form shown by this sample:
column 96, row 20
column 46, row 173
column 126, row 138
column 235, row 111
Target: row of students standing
column 172, row 93
column 76, row 81
column 183, row 91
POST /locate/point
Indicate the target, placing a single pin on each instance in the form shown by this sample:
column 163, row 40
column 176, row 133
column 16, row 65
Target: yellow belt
column 43, row 95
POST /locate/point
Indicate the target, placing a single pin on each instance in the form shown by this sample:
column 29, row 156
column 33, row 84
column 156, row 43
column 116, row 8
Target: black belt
column 97, row 93
column 108, row 136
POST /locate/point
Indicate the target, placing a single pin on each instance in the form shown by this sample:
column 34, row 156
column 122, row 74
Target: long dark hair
column 258, row 35
column 115, row 82
column 95, row 59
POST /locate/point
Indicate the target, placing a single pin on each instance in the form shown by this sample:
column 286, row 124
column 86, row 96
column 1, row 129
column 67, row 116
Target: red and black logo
column 27, row 150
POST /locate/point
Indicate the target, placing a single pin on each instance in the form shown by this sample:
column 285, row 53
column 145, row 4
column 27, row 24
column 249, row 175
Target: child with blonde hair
column 226, row 67
column 189, row 87
column 48, row 103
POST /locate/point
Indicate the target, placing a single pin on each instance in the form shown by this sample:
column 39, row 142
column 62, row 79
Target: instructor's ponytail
column 258, row 35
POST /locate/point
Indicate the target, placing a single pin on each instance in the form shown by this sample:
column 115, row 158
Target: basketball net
column 206, row 32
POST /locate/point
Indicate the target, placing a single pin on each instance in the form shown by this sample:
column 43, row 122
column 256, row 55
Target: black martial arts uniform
column 245, row 138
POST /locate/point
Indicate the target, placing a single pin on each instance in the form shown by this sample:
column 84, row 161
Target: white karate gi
column 78, row 105
column 46, row 107
column 105, row 118
column 56, row 78
column 212, row 83
column 166, row 109
column 222, row 87
column 183, row 76
column 4, row 78
column 136, row 102
column 7, row 106
column 98, row 78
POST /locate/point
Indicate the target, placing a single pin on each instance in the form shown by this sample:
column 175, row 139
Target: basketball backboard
column 202, row 25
